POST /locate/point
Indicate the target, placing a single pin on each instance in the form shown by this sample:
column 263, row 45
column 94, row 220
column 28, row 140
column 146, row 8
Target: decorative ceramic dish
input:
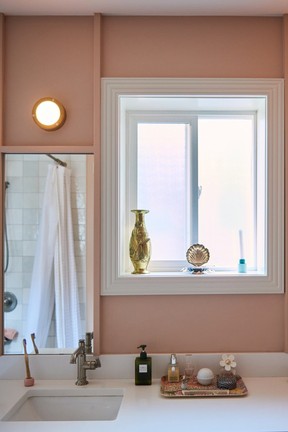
column 197, row 255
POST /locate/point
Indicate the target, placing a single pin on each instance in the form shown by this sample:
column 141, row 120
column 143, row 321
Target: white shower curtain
column 54, row 279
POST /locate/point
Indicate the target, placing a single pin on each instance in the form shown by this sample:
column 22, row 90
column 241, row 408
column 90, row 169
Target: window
column 197, row 176
column 206, row 158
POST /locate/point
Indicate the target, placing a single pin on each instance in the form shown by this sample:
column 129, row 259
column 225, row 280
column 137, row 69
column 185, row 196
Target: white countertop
column 265, row 408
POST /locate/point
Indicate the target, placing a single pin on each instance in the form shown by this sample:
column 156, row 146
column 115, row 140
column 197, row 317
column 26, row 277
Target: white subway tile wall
column 26, row 175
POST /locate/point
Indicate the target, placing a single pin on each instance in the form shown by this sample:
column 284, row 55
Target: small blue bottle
column 242, row 267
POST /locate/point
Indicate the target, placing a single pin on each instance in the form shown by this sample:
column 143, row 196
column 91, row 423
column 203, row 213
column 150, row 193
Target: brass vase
column 140, row 244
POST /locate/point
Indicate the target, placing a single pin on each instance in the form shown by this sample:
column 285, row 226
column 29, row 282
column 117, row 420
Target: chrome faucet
column 79, row 357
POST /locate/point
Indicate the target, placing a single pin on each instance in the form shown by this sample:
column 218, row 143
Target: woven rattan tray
column 194, row 389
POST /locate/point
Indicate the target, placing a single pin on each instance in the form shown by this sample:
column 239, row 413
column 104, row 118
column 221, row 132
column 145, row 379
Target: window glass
column 227, row 173
column 199, row 187
column 161, row 186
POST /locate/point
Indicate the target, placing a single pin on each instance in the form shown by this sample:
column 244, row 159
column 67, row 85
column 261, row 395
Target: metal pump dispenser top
column 173, row 359
column 143, row 354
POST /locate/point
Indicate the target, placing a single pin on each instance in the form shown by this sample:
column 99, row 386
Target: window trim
column 113, row 282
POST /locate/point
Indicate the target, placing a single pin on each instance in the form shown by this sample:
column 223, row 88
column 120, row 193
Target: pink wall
column 47, row 56
column 192, row 47
column 67, row 64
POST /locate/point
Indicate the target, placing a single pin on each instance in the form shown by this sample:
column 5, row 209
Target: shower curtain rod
column 58, row 161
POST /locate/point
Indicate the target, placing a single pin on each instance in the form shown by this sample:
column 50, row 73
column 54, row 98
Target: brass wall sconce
column 49, row 114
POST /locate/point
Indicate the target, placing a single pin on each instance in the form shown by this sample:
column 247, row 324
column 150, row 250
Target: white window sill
column 183, row 283
column 190, row 275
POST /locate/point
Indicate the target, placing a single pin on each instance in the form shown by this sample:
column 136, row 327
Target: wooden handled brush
column 33, row 337
column 28, row 381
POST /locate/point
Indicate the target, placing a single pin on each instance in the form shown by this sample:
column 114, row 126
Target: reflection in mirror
column 44, row 252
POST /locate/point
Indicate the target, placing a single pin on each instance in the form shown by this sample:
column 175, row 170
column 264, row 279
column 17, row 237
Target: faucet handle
column 88, row 342
column 93, row 364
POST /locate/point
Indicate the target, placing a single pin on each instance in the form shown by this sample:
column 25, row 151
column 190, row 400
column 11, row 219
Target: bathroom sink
column 67, row 405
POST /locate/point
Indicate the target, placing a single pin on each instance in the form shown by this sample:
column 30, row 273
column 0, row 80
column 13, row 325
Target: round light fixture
column 49, row 114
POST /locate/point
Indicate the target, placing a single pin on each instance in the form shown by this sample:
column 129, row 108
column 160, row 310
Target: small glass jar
column 188, row 366
column 227, row 379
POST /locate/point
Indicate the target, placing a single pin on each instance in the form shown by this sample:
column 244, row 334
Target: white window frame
column 114, row 280
column 133, row 117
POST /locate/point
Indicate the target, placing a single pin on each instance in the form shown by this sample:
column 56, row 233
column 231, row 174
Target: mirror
column 48, row 215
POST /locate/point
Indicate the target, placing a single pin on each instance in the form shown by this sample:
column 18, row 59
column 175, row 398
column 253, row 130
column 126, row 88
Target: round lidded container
column 205, row 376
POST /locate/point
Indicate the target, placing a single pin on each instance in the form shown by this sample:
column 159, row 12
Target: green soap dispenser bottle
column 143, row 368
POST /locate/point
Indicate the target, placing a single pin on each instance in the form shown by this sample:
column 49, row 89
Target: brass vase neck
column 139, row 214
